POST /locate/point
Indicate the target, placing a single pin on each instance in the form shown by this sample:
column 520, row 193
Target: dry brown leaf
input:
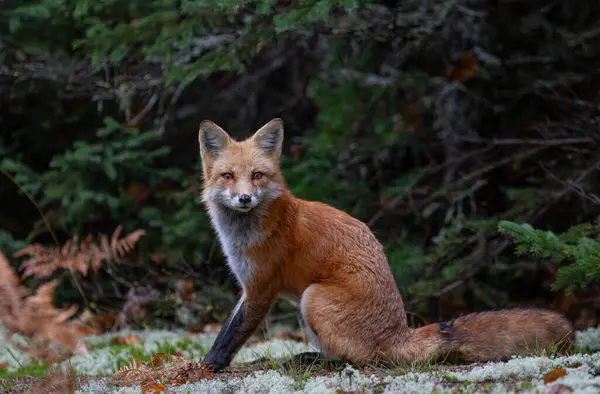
column 150, row 386
column 153, row 387
column 554, row 374
column 105, row 321
column 130, row 339
column 3, row 365
column 467, row 67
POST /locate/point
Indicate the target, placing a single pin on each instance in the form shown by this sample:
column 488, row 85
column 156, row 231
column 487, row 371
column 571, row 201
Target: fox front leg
column 242, row 323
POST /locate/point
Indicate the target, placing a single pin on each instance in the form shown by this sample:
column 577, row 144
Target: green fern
column 578, row 249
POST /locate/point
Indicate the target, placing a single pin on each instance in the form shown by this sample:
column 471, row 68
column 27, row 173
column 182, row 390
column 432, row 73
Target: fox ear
column 269, row 138
column 212, row 139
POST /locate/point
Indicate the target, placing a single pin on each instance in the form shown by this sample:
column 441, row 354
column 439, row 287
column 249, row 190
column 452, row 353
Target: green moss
column 300, row 381
column 33, row 369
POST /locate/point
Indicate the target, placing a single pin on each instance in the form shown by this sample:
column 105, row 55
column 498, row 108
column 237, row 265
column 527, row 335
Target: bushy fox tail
column 490, row 336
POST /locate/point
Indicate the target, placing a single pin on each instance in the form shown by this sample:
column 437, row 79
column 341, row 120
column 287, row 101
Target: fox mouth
column 243, row 208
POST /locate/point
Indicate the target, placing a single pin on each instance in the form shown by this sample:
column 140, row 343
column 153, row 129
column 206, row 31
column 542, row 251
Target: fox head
column 241, row 175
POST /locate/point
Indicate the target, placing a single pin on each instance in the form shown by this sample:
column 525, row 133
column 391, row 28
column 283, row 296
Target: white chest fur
column 237, row 231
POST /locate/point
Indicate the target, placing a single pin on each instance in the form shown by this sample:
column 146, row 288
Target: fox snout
column 241, row 199
column 245, row 199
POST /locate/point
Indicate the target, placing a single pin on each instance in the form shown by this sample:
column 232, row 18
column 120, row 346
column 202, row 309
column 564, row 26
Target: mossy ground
column 258, row 369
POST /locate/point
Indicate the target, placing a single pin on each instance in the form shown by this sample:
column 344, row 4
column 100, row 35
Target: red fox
column 277, row 244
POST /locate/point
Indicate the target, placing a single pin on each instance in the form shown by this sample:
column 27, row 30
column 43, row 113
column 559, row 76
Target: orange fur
column 334, row 264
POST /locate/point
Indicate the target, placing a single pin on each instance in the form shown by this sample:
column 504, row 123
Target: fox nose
column 245, row 199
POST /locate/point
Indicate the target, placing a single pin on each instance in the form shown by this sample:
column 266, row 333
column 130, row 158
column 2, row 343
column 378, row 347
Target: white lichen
column 525, row 367
column 520, row 374
column 13, row 357
column 588, row 339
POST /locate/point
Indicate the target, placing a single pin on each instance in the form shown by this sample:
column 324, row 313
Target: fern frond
column 77, row 256
column 49, row 333
column 120, row 247
column 178, row 371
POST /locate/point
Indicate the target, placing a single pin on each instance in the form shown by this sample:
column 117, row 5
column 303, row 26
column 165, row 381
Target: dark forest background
column 464, row 132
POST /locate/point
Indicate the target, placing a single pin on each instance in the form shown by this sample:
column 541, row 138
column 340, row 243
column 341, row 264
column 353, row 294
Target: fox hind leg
column 330, row 329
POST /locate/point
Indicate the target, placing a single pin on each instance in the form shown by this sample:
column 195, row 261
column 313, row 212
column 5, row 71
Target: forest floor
column 257, row 369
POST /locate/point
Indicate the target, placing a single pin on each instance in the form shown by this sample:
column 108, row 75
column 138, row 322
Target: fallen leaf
column 3, row 365
column 467, row 67
column 153, row 387
column 554, row 374
column 130, row 339
column 105, row 321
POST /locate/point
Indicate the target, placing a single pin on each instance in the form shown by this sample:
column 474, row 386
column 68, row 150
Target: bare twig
column 251, row 79
column 165, row 118
column 420, row 176
column 571, row 185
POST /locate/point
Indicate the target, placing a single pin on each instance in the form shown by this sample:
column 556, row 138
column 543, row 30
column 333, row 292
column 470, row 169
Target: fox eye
column 257, row 175
column 227, row 175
